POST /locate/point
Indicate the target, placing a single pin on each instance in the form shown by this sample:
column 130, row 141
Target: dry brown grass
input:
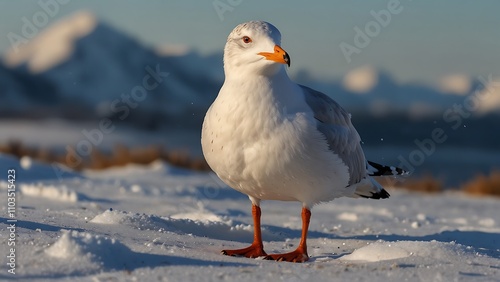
column 483, row 185
column 98, row 159
column 425, row 184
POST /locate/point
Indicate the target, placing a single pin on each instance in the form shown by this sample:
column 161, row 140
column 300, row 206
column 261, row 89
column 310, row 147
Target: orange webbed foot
column 253, row 251
column 295, row 256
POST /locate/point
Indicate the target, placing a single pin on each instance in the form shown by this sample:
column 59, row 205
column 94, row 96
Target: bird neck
column 276, row 73
column 277, row 90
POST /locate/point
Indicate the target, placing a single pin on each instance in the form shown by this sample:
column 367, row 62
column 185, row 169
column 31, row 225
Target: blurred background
column 99, row 83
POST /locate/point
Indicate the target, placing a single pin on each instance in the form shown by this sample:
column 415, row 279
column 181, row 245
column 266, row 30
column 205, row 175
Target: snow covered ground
column 157, row 222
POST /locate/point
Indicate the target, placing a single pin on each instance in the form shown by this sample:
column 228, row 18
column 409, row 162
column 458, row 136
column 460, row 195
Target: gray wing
column 343, row 139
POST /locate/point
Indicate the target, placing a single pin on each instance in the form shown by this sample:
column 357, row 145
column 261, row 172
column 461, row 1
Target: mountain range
column 81, row 68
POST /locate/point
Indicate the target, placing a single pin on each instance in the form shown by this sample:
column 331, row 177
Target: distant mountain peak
column 488, row 98
column 54, row 44
column 165, row 50
column 361, row 80
column 456, row 84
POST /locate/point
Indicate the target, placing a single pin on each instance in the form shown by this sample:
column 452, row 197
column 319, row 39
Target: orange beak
column 279, row 55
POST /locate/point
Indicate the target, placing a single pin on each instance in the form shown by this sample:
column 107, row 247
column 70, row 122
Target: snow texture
column 157, row 222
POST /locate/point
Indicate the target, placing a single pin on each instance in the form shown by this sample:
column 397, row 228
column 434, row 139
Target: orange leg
column 300, row 254
column 257, row 247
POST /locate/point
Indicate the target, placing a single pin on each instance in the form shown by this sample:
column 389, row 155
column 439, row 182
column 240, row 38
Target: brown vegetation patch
column 99, row 159
column 425, row 184
column 483, row 185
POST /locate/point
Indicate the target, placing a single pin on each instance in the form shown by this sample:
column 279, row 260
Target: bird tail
column 371, row 189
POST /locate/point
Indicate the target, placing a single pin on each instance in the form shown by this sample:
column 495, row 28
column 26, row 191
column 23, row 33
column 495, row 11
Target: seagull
column 273, row 139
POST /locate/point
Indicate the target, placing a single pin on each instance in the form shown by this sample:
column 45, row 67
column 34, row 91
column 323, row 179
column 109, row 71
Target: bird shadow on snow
column 482, row 242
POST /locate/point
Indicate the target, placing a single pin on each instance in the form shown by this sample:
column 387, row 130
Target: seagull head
column 254, row 47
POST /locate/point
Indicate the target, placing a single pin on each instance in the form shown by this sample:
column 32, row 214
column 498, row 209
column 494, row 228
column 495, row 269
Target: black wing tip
column 382, row 194
column 383, row 170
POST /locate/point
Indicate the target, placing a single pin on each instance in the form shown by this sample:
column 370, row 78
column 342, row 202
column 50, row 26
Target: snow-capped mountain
column 105, row 73
column 53, row 45
column 85, row 69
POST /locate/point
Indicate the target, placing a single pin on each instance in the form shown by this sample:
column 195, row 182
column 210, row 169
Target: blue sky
column 422, row 42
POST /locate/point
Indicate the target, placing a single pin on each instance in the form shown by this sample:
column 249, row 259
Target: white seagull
column 273, row 139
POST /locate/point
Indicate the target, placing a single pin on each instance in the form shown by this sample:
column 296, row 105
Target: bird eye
column 247, row 39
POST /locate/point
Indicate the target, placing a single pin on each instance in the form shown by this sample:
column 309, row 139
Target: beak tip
column 287, row 59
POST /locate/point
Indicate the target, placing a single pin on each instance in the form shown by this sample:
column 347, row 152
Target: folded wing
column 343, row 139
